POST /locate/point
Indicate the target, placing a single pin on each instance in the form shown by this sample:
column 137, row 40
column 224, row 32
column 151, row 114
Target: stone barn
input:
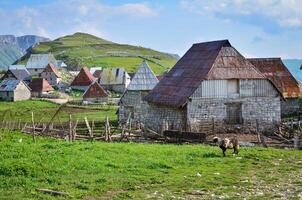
column 83, row 80
column 95, row 94
column 275, row 70
column 114, row 79
column 214, row 89
column 40, row 88
column 132, row 102
column 14, row 90
column 51, row 74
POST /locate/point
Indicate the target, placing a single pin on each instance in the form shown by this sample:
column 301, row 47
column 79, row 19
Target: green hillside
column 8, row 54
column 84, row 49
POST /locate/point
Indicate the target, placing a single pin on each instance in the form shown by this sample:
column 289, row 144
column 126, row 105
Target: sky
column 256, row 28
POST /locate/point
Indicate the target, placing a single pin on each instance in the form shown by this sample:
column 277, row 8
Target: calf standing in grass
column 227, row 143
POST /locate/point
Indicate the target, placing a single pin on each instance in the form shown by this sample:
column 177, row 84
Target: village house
column 51, row 74
column 37, row 63
column 95, row 94
column 132, row 103
column 40, row 88
column 14, row 90
column 83, row 80
column 213, row 89
column 275, row 70
column 114, row 79
column 17, row 74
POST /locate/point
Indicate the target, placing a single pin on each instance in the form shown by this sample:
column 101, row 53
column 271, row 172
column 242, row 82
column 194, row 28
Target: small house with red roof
column 95, row 94
column 40, row 87
column 51, row 74
column 83, row 80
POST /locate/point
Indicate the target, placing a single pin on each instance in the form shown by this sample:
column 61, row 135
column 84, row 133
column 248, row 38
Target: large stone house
column 51, row 74
column 213, row 89
column 17, row 74
column 37, row 63
column 14, row 90
column 95, row 94
column 114, row 79
column 132, row 103
column 40, row 87
column 275, row 70
column 83, row 80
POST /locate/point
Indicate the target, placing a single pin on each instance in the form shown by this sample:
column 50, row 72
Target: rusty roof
column 51, row 68
column 84, row 78
column 40, row 85
column 275, row 70
column 95, row 90
column 202, row 61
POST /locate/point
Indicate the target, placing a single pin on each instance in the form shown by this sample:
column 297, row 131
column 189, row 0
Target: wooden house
column 95, row 94
column 114, row 79
column 37, row 63
column 40, row 88
column 17, row 74
column 51, row 74
column 14, row 90
column 275, row 70
column 214, row 89
column 83, row 80
column 132, row 103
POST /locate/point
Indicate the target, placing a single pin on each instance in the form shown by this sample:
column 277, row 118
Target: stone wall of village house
column 289, row 106
column 51, row 78
column 21, row 92
column 132, row 102
column 259, row 100
column 96, row 100
column 35, row 71
column 7, row 95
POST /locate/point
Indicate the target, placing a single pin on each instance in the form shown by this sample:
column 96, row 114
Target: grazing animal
column 227, row 143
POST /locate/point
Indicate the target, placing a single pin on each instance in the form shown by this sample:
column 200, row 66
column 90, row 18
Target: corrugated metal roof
column 202, row 61
column 95, row 90
column 9, row 85
column 38, row 61
column 40, row 85
column 114, row 76
column 275, row 70
column 51, row 68
column 84, row 78
column 144, row 78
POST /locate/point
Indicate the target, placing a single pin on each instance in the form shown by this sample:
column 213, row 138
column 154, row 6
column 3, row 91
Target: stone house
column 95, row 94
column 214, row 89
column 275, row 70
column 114, row 79
column 83, row 80
column 51, row 74
column 37, row 63
column 40, row 88
column 131, row 102
column 14, row 90
column 17, row 74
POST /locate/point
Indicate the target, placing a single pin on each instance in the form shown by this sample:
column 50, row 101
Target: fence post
column 70, row 128
column 33, row 124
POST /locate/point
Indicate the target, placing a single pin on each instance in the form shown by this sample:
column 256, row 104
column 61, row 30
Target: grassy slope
column 44, row 110
column 140, row 171
column 94, row 51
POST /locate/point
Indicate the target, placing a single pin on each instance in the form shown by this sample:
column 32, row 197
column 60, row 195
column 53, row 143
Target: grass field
column 96, row 170
column 44, row 110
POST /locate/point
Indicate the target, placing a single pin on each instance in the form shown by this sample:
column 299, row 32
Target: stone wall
column 51, row 78
column 209, row 115
column 289, row 106
column 21, row 92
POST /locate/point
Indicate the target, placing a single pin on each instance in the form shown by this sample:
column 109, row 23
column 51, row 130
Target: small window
column 234, row 113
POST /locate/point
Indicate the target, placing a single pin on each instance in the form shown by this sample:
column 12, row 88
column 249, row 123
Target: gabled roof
column 203, row 61
column 144, row 78
column 19, row 74
column 95, row 90
column 51, row 68
column 9, row 85
column 40, row 85
column 40, row 61
column 84, row 78
column 275, row 70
